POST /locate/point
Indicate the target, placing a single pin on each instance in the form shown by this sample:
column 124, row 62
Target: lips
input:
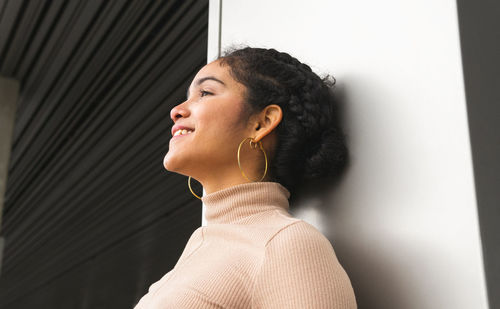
column 179, row 127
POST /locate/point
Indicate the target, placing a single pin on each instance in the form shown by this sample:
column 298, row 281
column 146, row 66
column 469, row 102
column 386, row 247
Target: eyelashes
column 204, row 93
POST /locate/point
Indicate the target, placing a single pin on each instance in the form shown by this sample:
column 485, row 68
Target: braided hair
column 310, row 143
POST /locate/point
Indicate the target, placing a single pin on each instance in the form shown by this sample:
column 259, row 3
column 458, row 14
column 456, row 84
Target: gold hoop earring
column 253, row 145
column 190, row 189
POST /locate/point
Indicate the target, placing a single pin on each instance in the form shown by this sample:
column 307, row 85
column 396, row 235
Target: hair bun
column 310, row 141
column 328, row 158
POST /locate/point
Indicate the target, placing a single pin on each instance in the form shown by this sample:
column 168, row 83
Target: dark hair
column 310, row 144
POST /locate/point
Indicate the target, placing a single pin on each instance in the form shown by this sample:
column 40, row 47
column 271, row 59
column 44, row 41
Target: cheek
column 223, row 121
column 221, row 131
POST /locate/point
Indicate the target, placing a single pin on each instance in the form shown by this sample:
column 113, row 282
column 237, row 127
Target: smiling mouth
column 184, row 132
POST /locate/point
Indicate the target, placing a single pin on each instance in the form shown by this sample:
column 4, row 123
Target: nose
column 178, row 111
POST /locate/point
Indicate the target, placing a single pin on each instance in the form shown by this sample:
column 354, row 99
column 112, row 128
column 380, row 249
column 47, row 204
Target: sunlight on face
column 214, row 111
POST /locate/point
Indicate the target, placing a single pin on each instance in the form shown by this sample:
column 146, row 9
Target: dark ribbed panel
column 91, row 218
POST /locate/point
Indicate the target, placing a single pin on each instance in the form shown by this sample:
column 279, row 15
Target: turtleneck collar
column 243, row 200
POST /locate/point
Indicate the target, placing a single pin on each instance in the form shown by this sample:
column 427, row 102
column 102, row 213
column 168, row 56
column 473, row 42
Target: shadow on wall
column 373, row 276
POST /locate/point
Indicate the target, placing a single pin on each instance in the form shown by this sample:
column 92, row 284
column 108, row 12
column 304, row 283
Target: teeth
column 182, row 132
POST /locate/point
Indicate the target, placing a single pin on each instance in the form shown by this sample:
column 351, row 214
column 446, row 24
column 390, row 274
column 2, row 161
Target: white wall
column 404, row 221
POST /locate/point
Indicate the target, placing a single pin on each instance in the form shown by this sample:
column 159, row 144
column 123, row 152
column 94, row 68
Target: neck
column 218, row 184
column 236, row 203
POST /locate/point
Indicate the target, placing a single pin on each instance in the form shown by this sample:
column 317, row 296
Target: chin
column 167, row 163
column 172, row 164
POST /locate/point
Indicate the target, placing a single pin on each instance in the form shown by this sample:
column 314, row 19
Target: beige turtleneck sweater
column 253, row 254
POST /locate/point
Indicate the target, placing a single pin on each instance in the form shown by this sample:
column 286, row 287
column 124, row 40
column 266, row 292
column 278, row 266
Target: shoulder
column 300, row 270
column 300, row 236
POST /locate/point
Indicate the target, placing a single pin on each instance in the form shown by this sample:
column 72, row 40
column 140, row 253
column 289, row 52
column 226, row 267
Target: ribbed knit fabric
column 253, row 254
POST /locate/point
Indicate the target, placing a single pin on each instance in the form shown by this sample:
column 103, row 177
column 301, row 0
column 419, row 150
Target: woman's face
column 214, row 111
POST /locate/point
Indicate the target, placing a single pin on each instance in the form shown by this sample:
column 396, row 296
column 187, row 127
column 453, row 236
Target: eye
column 204, row 93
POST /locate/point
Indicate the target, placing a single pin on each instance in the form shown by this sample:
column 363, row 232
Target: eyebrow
column 203, row 79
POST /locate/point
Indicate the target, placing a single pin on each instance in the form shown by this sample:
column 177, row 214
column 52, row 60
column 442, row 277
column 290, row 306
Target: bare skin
column 215, row 111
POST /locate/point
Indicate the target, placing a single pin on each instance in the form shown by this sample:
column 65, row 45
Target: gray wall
column 480, row 40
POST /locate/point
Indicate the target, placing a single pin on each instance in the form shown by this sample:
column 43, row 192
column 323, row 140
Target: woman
column 256, row 125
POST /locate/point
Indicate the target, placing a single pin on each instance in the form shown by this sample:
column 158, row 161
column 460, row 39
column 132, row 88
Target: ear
column 267, row 120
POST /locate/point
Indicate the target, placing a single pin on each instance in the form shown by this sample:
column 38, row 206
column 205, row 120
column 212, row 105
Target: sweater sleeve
column 301, row 270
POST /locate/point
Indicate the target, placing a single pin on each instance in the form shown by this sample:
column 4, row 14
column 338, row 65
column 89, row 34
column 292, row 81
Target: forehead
column 213, row 69
column 221, row 72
